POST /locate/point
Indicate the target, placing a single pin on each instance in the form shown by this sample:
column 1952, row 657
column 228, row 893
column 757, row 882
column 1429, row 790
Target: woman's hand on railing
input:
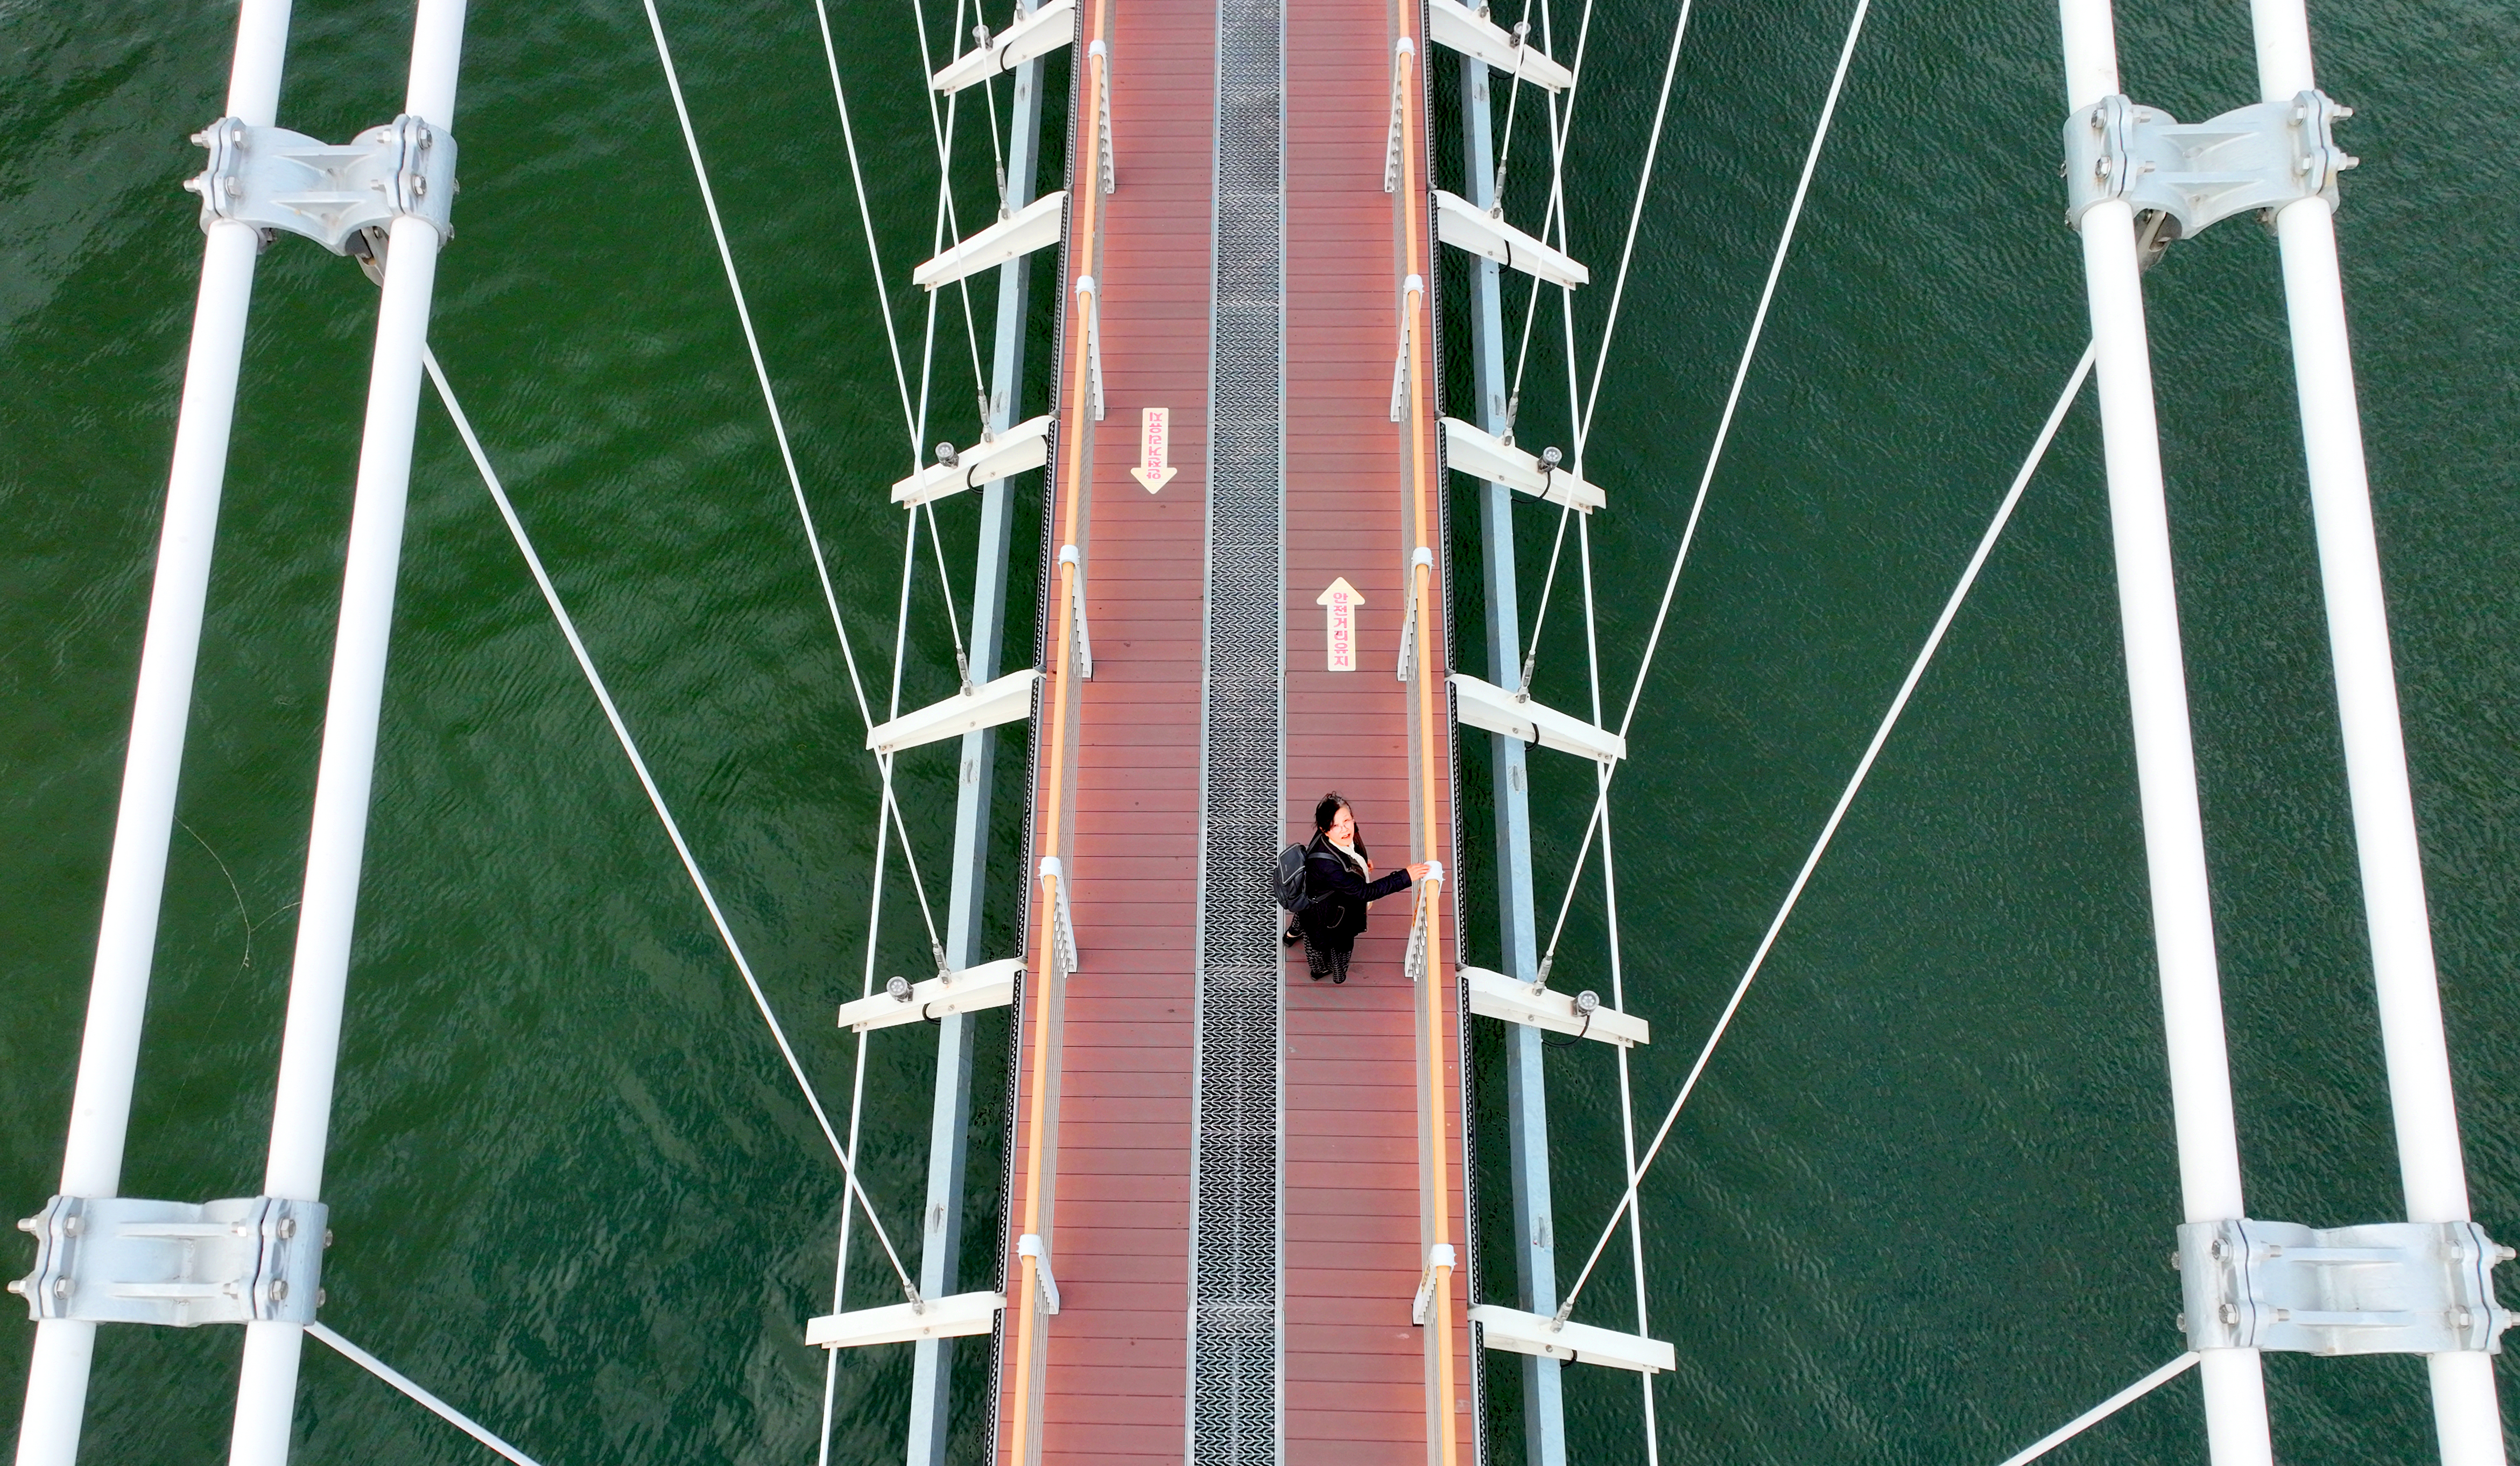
column 1419, row 871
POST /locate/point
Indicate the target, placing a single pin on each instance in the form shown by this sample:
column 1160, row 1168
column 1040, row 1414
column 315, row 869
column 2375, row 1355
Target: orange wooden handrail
column 1084, row 199
column 1439, row 1320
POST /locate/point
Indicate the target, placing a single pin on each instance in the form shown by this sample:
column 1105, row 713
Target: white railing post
column 2430, row 1163
column 48, row 1433
column 1063, row 946
column 2191, row 1000
column 1070, row 554
column 1404, row 666
column 310, row 1043
column 1093, row 294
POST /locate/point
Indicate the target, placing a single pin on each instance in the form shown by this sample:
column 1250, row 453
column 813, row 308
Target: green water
column 1917, row 1210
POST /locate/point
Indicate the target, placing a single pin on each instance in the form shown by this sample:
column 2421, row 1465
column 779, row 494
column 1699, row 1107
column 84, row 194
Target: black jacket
column 1337, row 913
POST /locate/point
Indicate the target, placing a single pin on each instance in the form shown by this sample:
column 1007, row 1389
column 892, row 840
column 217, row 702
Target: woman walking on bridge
column 1338, row 882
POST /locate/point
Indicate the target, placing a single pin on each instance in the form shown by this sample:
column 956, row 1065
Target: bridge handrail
column 1051, row 931
column 1408, row 58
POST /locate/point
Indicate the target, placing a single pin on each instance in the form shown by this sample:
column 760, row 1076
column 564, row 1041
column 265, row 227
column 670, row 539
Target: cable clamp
column 2195, row 174
column 126, row 1260
column 2391, row 1287
column 280, row 181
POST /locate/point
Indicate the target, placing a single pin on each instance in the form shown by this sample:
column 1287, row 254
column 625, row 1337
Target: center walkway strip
column 1236, row 1344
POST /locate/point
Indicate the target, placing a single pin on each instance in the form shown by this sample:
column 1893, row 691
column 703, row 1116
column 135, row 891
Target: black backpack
column 1293, row 894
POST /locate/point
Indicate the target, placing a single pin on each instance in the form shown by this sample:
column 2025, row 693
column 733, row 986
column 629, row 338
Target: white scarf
column 1353, row 859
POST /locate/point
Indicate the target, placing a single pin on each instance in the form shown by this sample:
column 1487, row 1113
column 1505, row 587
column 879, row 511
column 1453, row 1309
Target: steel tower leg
column 2173, row 832
column 135, row 880
column 1534, row 1253
column 2431, row 1163
column 319, row 973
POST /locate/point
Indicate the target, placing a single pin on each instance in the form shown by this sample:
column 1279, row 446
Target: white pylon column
column 2430, row 1163
column 2174, row 830
column 310, row 1044
column 48, row 1433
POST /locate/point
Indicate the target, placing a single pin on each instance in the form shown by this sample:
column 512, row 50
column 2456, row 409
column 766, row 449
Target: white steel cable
column 1513, row 106
column 1522, row 354
column 1547, row 586
column 1618, row 990
column 1749, row 349
column 892, row 709
column 945, row 583
column 915, row 421
column 430, row 1402
column 1723, row 425
column 778, row 423
column 830, row 1390
column 2104, row 1410
column 857, row 1079
column 1555, row 212
column 753, row 343
column 866, row 220
column 1636, row 217
column 1829, row 830
column 657, row 799
column 875, row 895
column 946, row 214
column 769, row 397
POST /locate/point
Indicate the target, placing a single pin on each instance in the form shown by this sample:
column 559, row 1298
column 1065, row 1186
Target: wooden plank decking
column 1119, row 1232
column 1356, row 1369
column 1356, row 1366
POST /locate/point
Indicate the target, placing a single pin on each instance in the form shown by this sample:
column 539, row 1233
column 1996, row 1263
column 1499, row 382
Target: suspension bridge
column 1237, row 1204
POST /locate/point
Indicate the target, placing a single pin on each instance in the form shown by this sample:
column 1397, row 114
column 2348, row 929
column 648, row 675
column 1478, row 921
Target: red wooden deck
column 1119, row 1225
column 1357, row 1375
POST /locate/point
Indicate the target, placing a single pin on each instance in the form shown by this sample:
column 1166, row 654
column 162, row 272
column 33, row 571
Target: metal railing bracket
column 907, row 1322
column 1517, row 1332
column 1030, row 1245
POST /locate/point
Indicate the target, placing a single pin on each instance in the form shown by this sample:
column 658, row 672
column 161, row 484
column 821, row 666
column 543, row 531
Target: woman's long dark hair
column 1325, row 814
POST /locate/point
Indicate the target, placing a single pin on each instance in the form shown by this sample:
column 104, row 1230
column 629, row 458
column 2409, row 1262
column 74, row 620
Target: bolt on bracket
column 274, row 179
column 2194, row 174
column 2391, row 1287
column 126, row 1260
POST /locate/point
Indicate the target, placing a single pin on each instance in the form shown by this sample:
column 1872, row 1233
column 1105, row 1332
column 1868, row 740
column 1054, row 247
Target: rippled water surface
column 1918, row 1210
